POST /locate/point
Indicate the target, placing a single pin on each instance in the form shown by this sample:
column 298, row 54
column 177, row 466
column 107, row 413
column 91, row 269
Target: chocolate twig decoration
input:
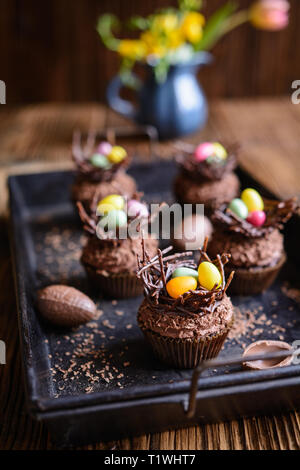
column 81, row 154
column 156, row 272
column 203, row 171
column 89, row 224
column 277, row 214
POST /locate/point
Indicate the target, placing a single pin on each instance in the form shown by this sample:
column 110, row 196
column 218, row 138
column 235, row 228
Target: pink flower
column 271, row 15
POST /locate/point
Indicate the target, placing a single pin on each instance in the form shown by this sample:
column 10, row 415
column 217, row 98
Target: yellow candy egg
column 253, row 200
column 209, row 275
column 220, row 151
column 179, row 285
column 109, row 203
column 117, row 154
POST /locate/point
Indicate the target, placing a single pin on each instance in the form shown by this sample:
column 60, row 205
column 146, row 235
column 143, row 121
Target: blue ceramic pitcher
column 175, row 107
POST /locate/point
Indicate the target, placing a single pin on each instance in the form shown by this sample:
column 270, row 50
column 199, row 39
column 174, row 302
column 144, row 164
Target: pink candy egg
column 257, row 218
column 136, row 209
column 104, row 148
column 203, row 151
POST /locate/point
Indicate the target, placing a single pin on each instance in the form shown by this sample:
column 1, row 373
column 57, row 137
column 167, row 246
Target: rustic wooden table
column 37, row 138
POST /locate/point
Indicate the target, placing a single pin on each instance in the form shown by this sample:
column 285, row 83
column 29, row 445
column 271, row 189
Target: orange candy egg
column 179, row 285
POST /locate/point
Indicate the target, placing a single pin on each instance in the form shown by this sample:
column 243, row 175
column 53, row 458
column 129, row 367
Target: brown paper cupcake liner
column 117, row 286
column 185, row 353
column 254, row 280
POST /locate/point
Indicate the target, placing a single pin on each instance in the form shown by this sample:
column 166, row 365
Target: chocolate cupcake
column 100, row 171
column 185, row 316
column 111, row 251
column 206, row 175
column 253, row 239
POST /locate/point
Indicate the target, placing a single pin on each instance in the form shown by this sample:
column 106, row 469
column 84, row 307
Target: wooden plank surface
column 37, row 138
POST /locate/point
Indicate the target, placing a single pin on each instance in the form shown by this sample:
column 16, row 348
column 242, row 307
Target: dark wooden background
column 50, row 51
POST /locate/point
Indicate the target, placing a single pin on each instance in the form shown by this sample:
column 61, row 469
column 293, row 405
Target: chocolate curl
column 89, row 223
column 156, row 273
column 277, row 214
column 162, row 269
column 111, row 136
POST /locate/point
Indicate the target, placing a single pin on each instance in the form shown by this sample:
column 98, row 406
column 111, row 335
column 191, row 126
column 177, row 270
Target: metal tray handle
column 215, row 363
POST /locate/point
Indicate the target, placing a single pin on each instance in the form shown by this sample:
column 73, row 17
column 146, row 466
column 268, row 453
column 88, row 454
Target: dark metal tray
column 101, row 381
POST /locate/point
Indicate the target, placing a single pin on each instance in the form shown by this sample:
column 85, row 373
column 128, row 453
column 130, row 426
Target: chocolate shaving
column 155, row 274
column 81, row 154
column 277, row 214
column 205, row 171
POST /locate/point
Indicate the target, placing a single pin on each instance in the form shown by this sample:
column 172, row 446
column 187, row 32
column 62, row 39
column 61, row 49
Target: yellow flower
column 165, row 23
column 153, row 44
column 192, row 26
column 175, row 39
column 132, row 49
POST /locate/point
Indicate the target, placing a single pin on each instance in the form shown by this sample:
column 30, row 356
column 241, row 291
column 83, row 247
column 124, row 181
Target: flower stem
column 235, row 20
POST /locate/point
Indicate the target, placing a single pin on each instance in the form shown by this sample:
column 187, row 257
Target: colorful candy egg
column 185, row 272
column 136, row 209
column 104, row 148
column 253, row 200
column 209, row 275
column 204, row 150
column 180, row 285
column 100, row 161
column 257, row 218
column 220, row 151
column 109, row 203
column 239, row 208
column 117, row 154
column 113, row 219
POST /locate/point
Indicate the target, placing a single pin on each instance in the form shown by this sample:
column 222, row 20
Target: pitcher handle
column 118, row 104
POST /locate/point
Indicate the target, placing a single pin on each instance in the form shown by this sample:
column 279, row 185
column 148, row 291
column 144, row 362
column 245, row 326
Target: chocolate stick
column 229, row 281
column 162, row 268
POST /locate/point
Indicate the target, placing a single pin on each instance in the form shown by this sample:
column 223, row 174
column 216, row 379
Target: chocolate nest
column 81, row 155
column 204, row 171
column 90, row 223
column 156, row 272
column 277, row 214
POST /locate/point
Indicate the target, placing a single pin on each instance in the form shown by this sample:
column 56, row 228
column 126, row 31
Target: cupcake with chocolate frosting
column 249, row 229
column 186, row 314
column 206, row 174
column 111, row 251
column 100, row 171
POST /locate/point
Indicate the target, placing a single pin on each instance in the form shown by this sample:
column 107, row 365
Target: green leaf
column 138, row 22
column 190, row 5
column 161, row 70
column 106, row 23
column 213, row 29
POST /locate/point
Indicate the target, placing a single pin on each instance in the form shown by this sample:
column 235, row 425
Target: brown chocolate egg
column 267, row 347
column 65, row 306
